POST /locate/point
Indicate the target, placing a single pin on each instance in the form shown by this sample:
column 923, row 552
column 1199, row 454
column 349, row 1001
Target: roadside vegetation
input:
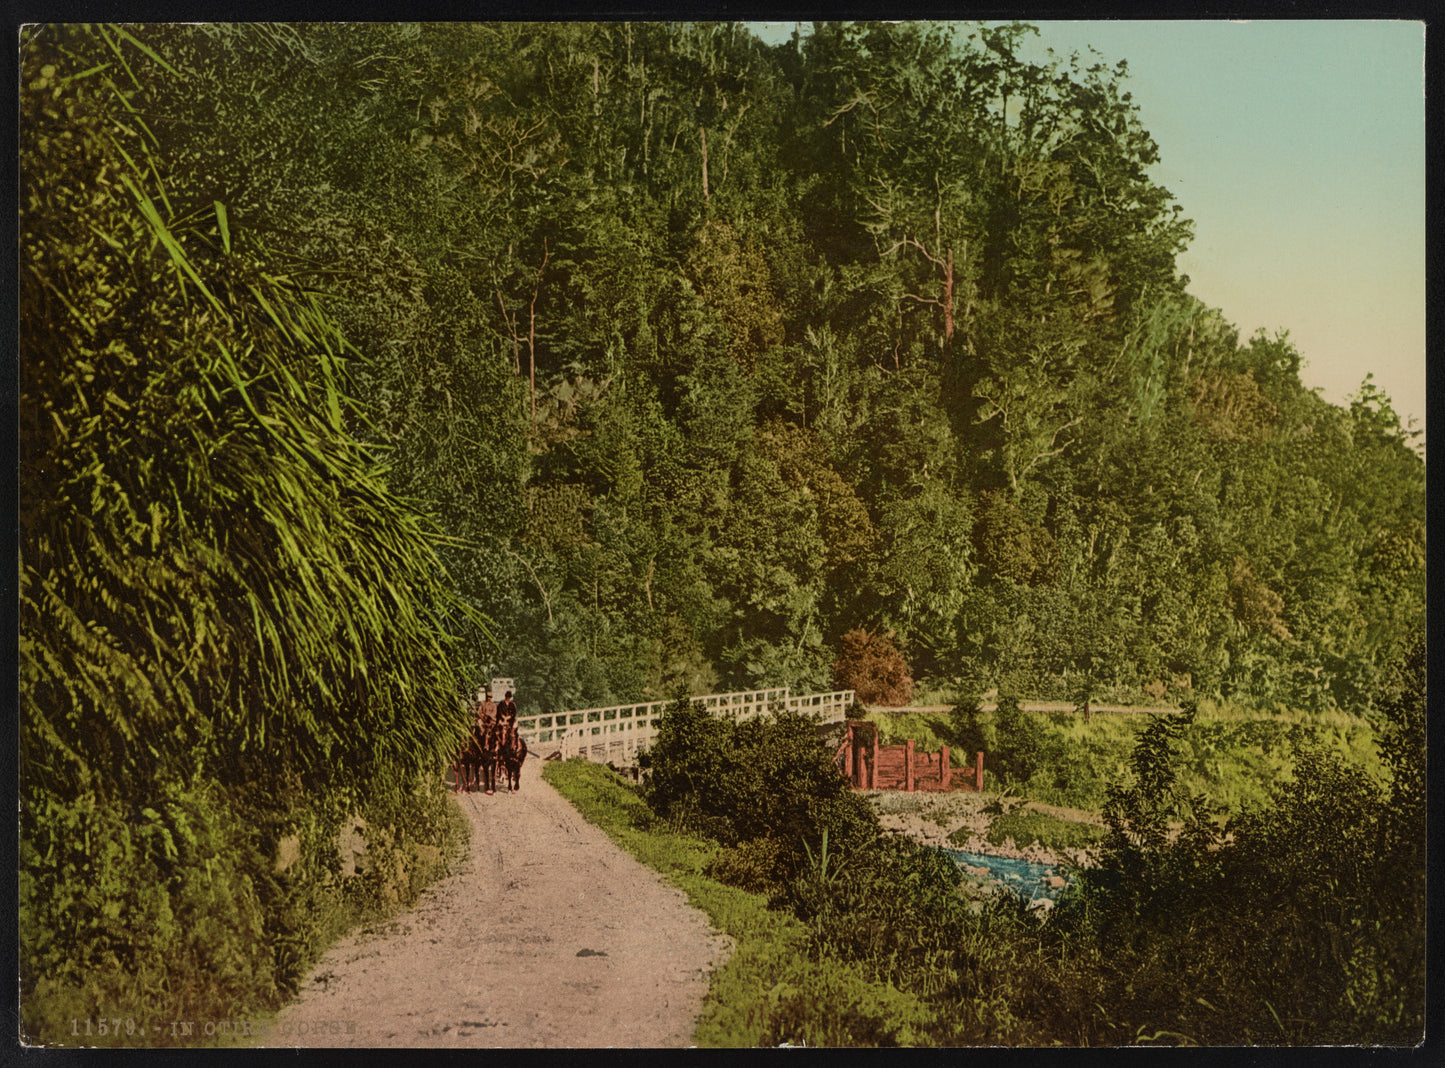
column 236, row 642
column 1297, row 921
column 766, row 992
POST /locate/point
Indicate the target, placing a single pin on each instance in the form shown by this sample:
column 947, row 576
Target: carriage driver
column 507, row 710
column 486, row 708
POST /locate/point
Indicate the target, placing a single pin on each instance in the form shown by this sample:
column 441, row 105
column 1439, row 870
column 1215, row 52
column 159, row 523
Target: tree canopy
column 704, row 353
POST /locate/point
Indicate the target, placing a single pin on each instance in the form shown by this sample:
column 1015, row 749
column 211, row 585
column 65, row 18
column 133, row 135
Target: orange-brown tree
column 874, row 667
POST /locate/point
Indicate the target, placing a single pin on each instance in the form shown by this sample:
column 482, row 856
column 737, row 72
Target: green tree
column 1012, row 547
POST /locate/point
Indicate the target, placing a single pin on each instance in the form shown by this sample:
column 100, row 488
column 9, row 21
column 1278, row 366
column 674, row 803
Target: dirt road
column 549, row 936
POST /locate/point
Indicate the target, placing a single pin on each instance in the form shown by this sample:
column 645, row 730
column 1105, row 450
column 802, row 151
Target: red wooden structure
column 870, row 766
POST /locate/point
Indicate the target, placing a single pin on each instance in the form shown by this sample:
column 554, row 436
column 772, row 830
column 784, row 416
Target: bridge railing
column 832, row 707
column 618, row 732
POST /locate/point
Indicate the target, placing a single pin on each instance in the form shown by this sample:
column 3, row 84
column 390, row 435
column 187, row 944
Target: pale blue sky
column 1298, row 149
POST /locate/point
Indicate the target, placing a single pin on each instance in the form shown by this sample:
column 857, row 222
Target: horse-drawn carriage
column 492, row 741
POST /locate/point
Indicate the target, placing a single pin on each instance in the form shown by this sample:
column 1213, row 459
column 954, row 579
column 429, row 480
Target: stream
column 1025, row 877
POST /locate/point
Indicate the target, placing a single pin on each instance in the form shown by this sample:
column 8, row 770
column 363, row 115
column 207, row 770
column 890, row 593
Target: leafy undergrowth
column 225, row 932
column 768, row 992
column 1301, row 922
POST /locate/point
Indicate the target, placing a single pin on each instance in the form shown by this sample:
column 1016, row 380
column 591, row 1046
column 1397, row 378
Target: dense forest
column 363, row 362
column 705, row 353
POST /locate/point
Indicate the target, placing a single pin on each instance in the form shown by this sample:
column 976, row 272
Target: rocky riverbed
column 961, row 820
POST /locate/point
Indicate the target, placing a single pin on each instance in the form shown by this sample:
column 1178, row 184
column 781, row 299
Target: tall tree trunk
column 532, row 357
column 707, row 200
column 511, row 322
column 948, row 298
column 532, row 332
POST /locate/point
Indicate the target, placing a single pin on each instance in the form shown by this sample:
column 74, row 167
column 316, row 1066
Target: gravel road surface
column 548, row 936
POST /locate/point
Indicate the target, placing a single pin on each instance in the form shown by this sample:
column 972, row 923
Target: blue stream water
column 1025, row 877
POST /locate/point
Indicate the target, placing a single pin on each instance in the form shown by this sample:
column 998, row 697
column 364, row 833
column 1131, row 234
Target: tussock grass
column 1026, row 827
column 233, row 632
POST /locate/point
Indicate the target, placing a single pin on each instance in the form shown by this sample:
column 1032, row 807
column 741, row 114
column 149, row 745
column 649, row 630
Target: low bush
column 828, row 1003
column 766, row 778
column 137, row 915
column 1016, row 744
column 1300, row 921
column 752, row 866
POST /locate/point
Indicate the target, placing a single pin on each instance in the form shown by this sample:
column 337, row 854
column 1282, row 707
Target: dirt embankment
column 549, row 936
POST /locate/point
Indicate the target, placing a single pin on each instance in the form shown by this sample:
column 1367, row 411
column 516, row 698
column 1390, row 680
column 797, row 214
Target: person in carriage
column 511, row 746
column 493, row 739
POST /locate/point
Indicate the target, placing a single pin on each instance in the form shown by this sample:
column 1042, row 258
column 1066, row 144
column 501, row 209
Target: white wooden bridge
column 615, row 734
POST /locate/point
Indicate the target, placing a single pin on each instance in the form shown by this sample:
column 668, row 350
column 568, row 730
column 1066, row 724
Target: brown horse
column 488, row 737
column 512, row 750
column 468, row 762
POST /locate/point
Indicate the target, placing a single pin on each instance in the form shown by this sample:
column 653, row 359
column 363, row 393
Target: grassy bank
column 1230, row 755
column 770, row 990
column 1026, row 828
